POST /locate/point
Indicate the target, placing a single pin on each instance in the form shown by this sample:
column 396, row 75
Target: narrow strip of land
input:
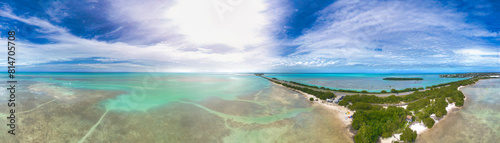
column 338, row 93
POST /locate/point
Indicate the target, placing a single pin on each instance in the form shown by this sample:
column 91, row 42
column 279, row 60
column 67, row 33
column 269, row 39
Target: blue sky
column 254, row 35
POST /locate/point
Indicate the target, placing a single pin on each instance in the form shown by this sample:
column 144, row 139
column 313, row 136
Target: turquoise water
column 363, row 81
column 147, row 90
column 164, row 107
column 477, row 121
column 143, row 91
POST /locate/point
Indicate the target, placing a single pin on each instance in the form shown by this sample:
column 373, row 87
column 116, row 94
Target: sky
column 312, row 36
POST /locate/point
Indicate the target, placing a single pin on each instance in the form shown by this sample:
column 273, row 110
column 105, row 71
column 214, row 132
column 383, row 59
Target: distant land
column 471, row 75
column 403, row 78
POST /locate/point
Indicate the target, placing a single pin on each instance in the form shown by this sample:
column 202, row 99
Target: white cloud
column 477, row 52
column 478, row 56
column 408, row 34
column 202, row 23
column 234, row 54
column 195, row 36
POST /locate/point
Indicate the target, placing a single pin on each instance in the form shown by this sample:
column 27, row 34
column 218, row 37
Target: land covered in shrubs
column 372, row 120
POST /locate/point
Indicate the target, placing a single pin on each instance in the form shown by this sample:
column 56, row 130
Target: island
column 377, row 117
column 316, row 87
column 403, row 78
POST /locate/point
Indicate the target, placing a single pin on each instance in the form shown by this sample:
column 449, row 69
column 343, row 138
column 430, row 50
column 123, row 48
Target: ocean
column 164, row 107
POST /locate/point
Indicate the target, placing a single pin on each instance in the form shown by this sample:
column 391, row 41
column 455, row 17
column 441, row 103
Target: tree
column 364, row 91
column 311, row 99
column 394, row 90
column 383, row 91
column 365, row 135
column 408, row 135
column 429, row 122
column 343, row 103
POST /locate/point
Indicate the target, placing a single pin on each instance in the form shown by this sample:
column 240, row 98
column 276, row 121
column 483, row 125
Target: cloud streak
column 251, row 36
column 170, row 55
column 393, row 34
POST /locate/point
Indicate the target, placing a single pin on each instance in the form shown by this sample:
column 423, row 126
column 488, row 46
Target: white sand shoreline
column 341, row 112
column 420, row 127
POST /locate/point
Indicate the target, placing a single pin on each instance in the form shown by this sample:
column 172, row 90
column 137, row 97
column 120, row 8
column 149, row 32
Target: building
column 409, row 118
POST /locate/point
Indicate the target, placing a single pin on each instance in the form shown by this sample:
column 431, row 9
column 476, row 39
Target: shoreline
column 343, row 93
column 347, row 122
column 421, row 128
column 340, row 110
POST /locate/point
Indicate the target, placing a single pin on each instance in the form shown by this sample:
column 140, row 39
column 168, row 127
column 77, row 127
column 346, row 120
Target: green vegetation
column 376, row 122
column 429, row 122
column 372, row 120
column 408, row 135
column 394, row 91
column 311, row 99
column 383, row 91
column 343, row 103
column 464, row 75
column 354, row 91
column 313, row 91
column 402, row 78
column 364, row 106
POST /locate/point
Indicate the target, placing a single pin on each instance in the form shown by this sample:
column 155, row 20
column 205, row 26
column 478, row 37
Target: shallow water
column 143, row 107
column 363, row 81
column 477, row 121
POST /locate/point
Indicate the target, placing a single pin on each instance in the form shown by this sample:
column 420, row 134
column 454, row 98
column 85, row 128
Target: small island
column 403, row 78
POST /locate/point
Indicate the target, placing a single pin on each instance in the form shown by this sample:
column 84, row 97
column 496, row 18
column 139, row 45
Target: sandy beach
column 342, row 113
column 420, row 127
column 394, row 137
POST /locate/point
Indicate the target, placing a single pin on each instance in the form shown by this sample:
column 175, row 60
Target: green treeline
column 408, row 135
column 402, row 78
column 363, row 91
column 313, row 91
column 371, row 124
column 373, row 121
